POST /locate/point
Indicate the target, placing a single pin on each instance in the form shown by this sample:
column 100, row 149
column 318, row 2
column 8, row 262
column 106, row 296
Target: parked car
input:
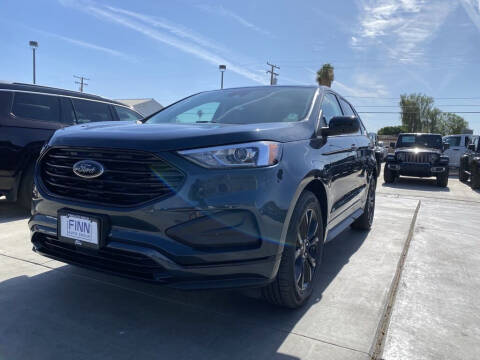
column 470, row 164
column 458, row 146
column 380, row 150
column 383, row 150
column 29, row 115
column 419, row 155
column 229, row 188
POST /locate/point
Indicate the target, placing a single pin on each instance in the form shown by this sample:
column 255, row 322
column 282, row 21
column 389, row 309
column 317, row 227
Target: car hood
column 164, row 137
column 418, row 150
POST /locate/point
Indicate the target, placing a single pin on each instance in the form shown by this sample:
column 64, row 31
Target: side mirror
column 340, row 125
column 392, row 145
column 471, row 147
column 446, row 146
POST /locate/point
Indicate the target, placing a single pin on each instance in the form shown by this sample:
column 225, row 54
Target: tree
column 452, row 124
column 434, row 124
column 325, row 75
column 391, row 130
column 415, row 112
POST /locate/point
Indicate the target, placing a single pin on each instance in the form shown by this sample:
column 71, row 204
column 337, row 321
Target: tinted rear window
column 5, row 102
column 36, row 106
column 240, row 106
column 126, row 114
column 88, row 111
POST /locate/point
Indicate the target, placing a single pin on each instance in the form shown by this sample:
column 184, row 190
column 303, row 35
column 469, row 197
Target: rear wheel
column 301, row 255
column 442, row 179
column 365, row 221
column 388, row 175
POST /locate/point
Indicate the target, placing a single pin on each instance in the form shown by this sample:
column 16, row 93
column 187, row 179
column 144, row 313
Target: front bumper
column 417, row 169
column 223, row 229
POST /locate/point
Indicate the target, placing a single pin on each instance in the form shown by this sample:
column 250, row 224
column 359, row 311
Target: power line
column 272, row 72
column 82, row 82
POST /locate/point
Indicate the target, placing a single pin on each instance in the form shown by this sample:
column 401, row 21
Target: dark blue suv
column 229, row 188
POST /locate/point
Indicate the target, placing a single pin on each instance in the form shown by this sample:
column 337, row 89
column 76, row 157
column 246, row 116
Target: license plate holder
column 80, row 229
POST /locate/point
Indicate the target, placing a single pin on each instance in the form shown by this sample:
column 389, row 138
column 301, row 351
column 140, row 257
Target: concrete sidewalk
column 52, row 310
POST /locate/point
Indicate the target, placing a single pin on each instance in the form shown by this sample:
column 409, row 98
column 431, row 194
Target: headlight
column 254, row 154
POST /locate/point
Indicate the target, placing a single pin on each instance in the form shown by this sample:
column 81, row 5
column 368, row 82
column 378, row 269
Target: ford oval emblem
column 88, row 169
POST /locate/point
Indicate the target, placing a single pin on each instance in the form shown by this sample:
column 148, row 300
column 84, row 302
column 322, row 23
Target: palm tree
column 325, row 75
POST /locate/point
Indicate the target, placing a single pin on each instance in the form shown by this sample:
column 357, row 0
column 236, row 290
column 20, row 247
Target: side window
column 91, row 111
column 201, row 113
column 467, row 140
column 125, row 114
column 347, row 109
column 36, row 106
column 330, row 108
column 68, row 115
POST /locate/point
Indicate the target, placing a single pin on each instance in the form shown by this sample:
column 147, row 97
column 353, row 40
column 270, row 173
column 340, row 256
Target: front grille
column 129, row 178
column 111, row 260
column 419, row 158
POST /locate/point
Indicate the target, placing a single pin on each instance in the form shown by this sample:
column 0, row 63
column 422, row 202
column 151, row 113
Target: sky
column 170, row 49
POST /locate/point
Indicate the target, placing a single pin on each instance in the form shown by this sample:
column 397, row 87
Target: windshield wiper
column 203, row 121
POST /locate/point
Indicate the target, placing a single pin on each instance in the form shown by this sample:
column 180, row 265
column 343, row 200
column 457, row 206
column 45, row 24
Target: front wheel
column 442, row 179
column 475, row 177
column 365, row 221
column 388, row 174
column 462, row 175
column 301, row 255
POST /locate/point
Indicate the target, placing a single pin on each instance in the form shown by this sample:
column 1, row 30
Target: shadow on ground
column 413, row 183
column 68, row 314
column 11, row 211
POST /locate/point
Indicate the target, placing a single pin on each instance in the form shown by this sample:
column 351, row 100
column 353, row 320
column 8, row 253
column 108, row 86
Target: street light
column 33, row 45
column 222, row 68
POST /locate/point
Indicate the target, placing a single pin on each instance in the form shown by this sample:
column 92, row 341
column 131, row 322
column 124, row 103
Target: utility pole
column 273, row 80
column 33, row 45
column 82, row 82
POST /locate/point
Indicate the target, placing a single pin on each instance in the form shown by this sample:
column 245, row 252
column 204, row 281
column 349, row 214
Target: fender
column 309, row 178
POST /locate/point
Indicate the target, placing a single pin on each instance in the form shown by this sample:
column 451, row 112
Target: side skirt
column 341, row 227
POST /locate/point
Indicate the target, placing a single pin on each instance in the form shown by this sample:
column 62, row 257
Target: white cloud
column 88, row 45
column 407, row 25
column 220, row 10
column 364, row 85
column 174, row 35
column 472, row 8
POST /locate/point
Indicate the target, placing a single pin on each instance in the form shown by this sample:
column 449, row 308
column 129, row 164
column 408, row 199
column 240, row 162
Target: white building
column 143, row 106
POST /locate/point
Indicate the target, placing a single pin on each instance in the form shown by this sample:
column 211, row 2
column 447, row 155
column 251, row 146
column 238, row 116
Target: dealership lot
column 52, row 310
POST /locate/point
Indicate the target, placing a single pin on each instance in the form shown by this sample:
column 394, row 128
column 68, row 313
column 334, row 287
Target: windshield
column 240, row 106
column 452, row 140
column 423, row 141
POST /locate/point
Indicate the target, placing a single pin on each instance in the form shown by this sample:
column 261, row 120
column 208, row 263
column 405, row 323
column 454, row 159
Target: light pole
column 222, row 69
column 33, row 45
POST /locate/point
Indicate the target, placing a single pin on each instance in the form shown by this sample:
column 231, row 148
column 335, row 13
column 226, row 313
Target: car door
column 364, row 147
column 340, row 156
column 454, row 152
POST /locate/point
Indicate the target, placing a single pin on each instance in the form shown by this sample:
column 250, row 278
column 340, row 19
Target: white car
column 458, row 147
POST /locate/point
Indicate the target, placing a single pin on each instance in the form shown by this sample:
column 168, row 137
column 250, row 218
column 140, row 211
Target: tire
column 365, row 221
column 388, row 175
column 462, row 175
column 25, row 191
column 475, row 178
column 442, row 179
column 300, row 259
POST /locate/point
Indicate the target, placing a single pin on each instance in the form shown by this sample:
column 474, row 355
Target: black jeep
column 470, row 164
column 419, row 155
